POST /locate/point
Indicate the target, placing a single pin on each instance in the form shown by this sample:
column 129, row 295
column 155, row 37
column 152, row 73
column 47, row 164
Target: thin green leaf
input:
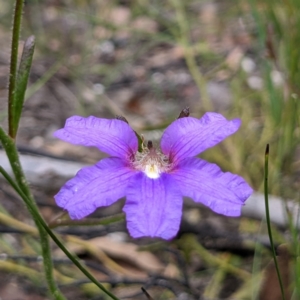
column 13, row 65
column 22, row 79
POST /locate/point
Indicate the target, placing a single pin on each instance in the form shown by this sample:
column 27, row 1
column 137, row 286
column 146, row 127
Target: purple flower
column 154, row 181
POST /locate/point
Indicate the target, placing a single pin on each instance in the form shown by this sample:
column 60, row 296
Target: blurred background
column 147, row 60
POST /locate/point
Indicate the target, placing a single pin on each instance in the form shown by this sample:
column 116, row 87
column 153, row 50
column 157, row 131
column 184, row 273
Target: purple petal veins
column 114, row 137
column 154, row 182
column 153, row 206
column 224, row 193
column 187, row 137
column 95, row 186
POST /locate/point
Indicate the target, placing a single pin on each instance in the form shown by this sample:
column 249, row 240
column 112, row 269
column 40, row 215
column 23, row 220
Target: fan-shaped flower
column 153, row 181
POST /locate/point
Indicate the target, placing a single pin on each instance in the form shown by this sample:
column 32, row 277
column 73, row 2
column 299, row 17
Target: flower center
column 151, row 161
column 152, row 171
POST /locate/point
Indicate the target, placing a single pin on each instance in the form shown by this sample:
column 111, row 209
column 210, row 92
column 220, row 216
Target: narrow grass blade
column 266, row 192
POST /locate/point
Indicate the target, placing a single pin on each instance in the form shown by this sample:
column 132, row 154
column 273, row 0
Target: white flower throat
column 151, row 161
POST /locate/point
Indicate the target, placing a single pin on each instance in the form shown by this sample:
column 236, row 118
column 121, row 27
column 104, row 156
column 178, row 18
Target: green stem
column 53, row 236
column 14, row 64
column 12, row 154
column 266, row 191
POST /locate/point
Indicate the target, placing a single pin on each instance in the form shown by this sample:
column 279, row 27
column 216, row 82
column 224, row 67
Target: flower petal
column 153, row 207
column 114, row 137
column 95, row 186
column 224, row 193
column 187, row 137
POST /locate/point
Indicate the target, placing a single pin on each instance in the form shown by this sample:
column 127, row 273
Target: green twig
column 266, row 191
